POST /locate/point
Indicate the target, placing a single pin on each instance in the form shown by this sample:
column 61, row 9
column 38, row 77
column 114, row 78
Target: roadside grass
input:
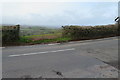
column 24, row 40
column 44, row 41
column 55, row 40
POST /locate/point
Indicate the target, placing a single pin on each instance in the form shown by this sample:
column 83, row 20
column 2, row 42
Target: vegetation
column 42, row 35
column 55, row 40
column 30, row 31
column 89, row 32
column 10, row 33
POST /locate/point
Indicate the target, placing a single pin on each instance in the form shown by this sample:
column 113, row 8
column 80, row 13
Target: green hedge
column 88, row 32
column 10, row 33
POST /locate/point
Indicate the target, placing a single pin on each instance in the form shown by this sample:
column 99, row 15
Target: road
column 81, row 59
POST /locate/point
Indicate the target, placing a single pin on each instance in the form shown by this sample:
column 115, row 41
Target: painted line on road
column 2, row 47
column 115, row 39
column 41, row 52
column 53, row 44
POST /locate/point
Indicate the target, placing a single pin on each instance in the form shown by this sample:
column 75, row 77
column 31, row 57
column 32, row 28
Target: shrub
column 10, row 33
column 88, row 32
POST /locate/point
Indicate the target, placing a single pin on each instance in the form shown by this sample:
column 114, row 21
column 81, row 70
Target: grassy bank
column 44, row 41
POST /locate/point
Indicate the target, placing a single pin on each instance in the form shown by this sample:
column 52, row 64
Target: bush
column 10, row 33
column 89, row 32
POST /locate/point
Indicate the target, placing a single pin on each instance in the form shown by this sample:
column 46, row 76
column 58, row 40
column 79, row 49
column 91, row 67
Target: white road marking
column 41, row 52
column 115, row 39
column 2, row 47
column 54, row 44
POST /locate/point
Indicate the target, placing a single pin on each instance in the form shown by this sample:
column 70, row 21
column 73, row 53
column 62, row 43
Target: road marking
column 115, row 39
column 54, row 44
column 2, row 47
column 41, row 52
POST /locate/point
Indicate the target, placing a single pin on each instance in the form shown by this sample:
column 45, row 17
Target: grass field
column 29, row 31
column 41, row 35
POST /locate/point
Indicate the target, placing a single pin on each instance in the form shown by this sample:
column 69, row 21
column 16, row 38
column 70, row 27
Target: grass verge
column 44, row 41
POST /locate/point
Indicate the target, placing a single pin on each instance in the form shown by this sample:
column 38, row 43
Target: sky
column 57, row 14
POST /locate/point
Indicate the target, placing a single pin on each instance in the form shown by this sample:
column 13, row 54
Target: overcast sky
column 59, row 13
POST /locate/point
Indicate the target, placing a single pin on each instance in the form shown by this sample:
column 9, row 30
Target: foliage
column 38, row 35
column 27, row 40
column 10, row 33
column 89, row 32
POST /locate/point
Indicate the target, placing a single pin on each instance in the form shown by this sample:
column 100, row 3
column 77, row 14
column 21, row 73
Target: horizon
column 47, row 26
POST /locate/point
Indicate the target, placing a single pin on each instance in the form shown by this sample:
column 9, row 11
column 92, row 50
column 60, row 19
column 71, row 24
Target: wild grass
column 54, row 40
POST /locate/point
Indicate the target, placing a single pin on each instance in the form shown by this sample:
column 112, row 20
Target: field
column 38, row 35
column 28, row 31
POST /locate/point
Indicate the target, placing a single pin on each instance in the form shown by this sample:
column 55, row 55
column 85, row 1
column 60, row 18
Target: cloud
column 59, row 13
column 59, row 0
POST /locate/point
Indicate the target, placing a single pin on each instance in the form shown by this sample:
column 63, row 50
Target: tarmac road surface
column 81, row 59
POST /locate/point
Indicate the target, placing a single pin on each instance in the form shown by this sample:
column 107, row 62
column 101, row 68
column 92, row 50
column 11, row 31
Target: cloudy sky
column 59, row 13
